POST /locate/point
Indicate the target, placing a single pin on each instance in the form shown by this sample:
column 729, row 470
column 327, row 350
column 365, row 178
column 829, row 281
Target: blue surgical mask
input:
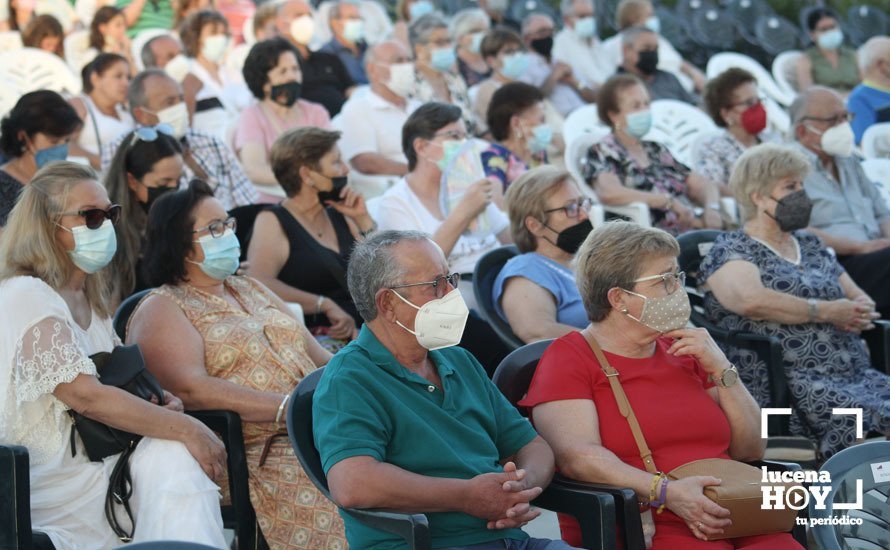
column 476, row 44
column 354, row 30
column 222, row 255
column 586, row 27
column 93, row 248
column 442, row 59
column 44, row 156
column 831, row 40
column 542, row 135
column 639, row 123
column 419, row 9
column 653, row 24
column 515, row 65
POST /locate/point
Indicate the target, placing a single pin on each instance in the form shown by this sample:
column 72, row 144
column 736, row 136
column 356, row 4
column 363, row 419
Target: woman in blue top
column 535, row 292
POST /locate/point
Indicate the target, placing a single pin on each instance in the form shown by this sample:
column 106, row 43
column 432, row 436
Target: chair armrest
column 637, row 212
column 15, row 497
column 878, row 340
column 627, row 509
column 413, row 528
column 594, row 510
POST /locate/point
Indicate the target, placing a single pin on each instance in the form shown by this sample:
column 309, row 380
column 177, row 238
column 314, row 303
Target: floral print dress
column 502, row 165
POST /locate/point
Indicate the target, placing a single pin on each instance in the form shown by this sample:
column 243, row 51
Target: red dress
column 679, row 418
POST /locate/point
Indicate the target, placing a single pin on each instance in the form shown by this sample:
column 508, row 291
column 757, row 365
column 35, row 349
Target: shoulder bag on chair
column 124, row 368
column 740, row 490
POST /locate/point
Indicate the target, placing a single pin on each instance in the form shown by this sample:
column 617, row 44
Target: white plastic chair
column 876, row 141
column 785, row 70
column 78, row 51
column 141, row 39
column 878, row 171
column 677, row 125
column 235, row 58
column 583, row 120
column 247, row 31
column 30, row 69
column 10, row 40
column 727, row 60
column 8, row 96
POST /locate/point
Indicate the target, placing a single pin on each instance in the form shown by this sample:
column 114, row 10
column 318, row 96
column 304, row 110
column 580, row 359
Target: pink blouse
column 261, row 125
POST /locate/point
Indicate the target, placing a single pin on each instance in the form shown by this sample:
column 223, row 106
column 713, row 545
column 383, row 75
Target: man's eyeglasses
column 573, row 208
column 95, row 217
column 671, row 281
column 150, row 133
column 438, row 283
column 218, row 227
column 833, row 120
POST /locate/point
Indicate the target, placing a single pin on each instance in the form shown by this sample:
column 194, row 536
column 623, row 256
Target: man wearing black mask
column 640, row 47
column 555, row 78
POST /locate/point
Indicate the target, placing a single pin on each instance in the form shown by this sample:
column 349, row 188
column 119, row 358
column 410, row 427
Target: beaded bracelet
column 662, row 497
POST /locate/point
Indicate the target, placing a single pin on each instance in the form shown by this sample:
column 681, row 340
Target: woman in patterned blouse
column 624, row 168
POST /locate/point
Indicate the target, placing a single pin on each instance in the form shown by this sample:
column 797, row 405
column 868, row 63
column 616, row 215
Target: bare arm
column 698, row 78
column 505, row 237
column 702, row 190
column 190, row 88
column 610, row 191
column 75, row 149
column 841, row 245
column 537, row 459
column 531, row 311
column 133, row 11
column 804, row 73
column 256, row 165
column 376, row 164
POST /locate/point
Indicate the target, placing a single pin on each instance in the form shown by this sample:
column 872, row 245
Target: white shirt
column 231, row 93
column 371, row 124
column 109, row 128
column 563, row 97
column 585, row 56
column 401, row 209
column 669, row 59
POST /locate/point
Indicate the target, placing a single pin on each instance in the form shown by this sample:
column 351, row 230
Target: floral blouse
column 665, row 174
column 717, row 155
column 502, row 165
column 457, row 88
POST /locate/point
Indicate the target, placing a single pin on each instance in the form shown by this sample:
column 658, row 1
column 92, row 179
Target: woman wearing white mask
column 213, row 96
column 59, row 238
column 504, row 52
column 827, row 62
column 623, row 168
column 227, row 342
column 468, row 28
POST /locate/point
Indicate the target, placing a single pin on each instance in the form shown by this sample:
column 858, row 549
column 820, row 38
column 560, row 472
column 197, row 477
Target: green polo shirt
column 367, row 404
column 157, row 14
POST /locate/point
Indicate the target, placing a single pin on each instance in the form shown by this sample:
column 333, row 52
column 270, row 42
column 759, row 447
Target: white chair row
column 876, row 141
column 726, row 60
column 29, row 69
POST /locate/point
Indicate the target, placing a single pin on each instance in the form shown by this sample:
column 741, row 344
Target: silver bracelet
column 281, row 408
column 812, row 309
column 318, row 301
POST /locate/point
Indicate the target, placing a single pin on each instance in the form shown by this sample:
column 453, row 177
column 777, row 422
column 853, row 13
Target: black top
column 9, row 193
column 325, row 80
column 312, row 267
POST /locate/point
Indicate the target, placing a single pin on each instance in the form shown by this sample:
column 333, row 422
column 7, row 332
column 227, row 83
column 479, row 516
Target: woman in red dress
column 686, row 395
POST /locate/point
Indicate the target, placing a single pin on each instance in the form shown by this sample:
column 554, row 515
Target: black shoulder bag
column 124, row 368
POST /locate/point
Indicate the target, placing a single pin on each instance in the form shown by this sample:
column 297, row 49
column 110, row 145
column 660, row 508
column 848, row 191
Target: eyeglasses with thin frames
column 95, row 217
column 572, row 209
column 453, row 279
column 218, row 227
column 833, row 120
column 671, row 281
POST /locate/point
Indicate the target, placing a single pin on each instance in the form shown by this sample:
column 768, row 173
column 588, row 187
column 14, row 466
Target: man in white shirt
column 578, row 46
column 556, row 80
column 371, row 121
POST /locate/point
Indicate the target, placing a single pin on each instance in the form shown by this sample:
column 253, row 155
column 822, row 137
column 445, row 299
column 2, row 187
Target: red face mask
column 754, row 119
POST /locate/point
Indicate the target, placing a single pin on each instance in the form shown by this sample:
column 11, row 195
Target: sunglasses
column 95, row 217
column 151, row 133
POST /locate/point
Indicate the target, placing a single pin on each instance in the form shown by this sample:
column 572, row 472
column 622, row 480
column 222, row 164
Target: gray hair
column 629, row 36
column 419, row 30
column 465, row 19
column 873, row 51
column 373, row 266
column 148, row 56
column 760, row 168
column 801, row 105
column 567, row 7
column 527, row 20
column 612, row 256
column 136, row 93
column 334, row 12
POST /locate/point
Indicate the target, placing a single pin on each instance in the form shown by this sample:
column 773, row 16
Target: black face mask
column 286, row 94
column 153, row 194
column 648, row 62
column 543, row 46
column 334, row 194
column 793, row 211
column 570, row 239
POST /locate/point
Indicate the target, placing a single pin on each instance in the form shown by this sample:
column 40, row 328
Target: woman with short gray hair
column 684, row 392
column 773, row 279
column 468, row 28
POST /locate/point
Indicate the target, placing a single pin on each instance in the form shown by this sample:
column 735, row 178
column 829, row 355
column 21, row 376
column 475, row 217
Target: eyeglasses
column 749, row 103
column 671, row 281
column 437, row 284
column 95, row 217
column 833, row 120
column 150, row 133
column 452, row 134
column 218, row 227
column 573, row 208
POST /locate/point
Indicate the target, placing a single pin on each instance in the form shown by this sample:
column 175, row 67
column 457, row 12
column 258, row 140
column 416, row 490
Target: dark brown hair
column 190, row 29
column 719, row 90
column 496, row 39
column 607, row 98
column 297, row 148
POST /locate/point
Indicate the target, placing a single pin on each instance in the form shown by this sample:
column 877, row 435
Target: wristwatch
column 729, row 377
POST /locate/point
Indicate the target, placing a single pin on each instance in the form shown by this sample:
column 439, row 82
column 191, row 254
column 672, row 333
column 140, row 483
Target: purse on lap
column 740, row 488
column 124, row 368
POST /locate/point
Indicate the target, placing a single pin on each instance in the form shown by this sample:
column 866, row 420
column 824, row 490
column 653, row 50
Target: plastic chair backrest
column 726, row 60
column 166, row 545
column 776, row 34
column 694, row 246
column 864, row 22
column 514, row 375
column 299, row 429
column 10, row 40
column 247, row 31
column 583, row 120
column 8, row 95
column 484, row 275
column 77, row 50
column 876, row 141
column 235, row 58
column 675, row 30
column 30, row 69
column 685, row 8
column 125, row 311
column 878, row 171
column 714, row 29
column 784, row 71
column 747, row 12
column 576, row 156
column 677, row 125
column 245, row 216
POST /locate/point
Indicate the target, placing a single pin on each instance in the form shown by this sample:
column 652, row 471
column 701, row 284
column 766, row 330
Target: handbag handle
column 623, row 404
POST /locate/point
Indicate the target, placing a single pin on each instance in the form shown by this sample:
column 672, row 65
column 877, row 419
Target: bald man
column 870, row 100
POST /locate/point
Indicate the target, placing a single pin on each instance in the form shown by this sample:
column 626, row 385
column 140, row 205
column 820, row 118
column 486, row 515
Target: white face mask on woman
column 439, row 323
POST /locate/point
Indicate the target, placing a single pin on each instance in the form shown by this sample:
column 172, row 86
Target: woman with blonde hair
column 59, row 238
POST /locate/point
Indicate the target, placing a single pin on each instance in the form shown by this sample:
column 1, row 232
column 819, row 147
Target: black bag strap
column 120, row 490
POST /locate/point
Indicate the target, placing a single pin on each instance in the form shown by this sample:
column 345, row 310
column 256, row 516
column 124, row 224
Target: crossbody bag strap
column 623, row 404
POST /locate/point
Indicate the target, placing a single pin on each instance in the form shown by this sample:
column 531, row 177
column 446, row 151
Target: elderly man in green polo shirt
column 404, row 420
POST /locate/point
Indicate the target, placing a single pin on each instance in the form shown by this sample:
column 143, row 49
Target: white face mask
column 439, row 323
column 664, row 313
column 214, row 48
column 177, row 116
column 302, row 28
column 837, row 140
column 401, row 79
column 177, row 68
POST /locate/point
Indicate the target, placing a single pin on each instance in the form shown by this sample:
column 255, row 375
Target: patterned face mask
column 664, row 313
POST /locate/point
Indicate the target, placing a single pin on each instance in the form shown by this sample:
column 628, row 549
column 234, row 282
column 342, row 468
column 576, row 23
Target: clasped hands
column 503, row 498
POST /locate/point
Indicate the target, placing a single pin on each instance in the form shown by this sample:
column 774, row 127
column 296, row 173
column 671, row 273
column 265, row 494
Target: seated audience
column 19, row 14
column 34, row 133
column 434, row 67
column 102, row 106
column 370, row 121
column 734, row 103
column 146, row 165
column 684, row 392
column 467, row 28
column 772, row 279
column 159, row 51
column 300, row 247
column 496, row 10
column 264, row 22
column 578, row 46
column 623, row 168
column 325, row 79
column 555, row 78
column 535, row 292
column 869, row 101
column 108, row 33
column 348, row 40
column 504, row 52
column 225, row 342
column 213, row 96
column 640, row 50
column 827, row 62
column 406, row 12
column 62, row 317
column 44, row 32
column 184, row 8
column 154, row 97
column 849, row 213
column 517, row 124
column 385, row 392
column 273, row 76
column 143, row 15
